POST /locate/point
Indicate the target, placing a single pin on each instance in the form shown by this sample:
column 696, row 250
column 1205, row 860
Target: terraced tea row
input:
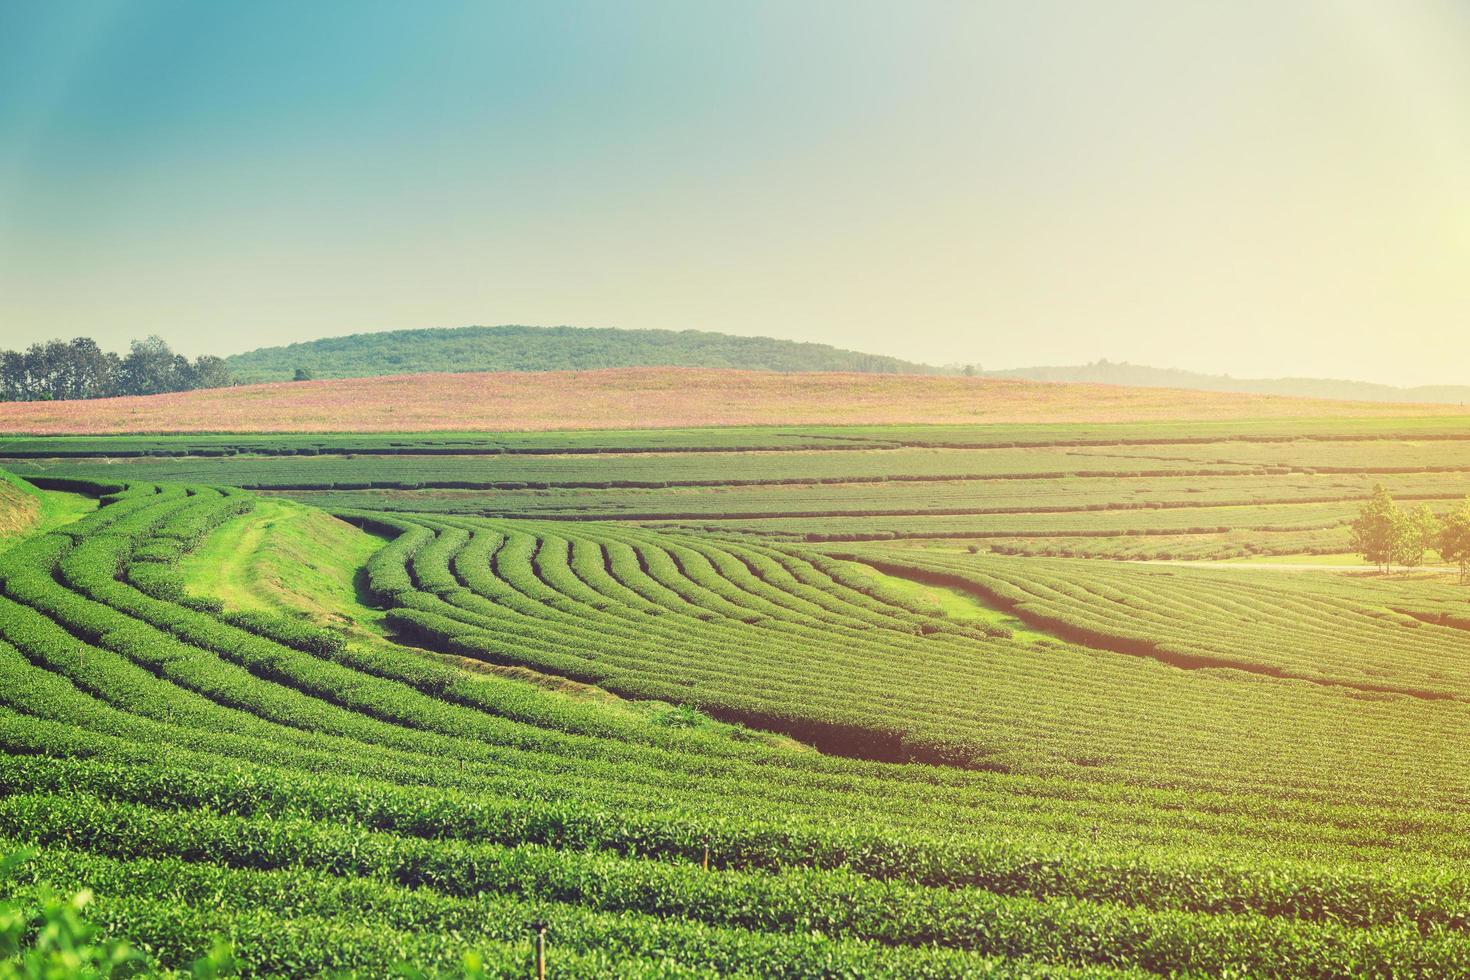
column 890, row 497
column 1093, row 490
column 802, row 465
column 616, row 470
column 1286, row 429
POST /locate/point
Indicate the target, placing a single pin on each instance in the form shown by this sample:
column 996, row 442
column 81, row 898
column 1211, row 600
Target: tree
column 208, row 371
column 91, row 371
column 47, row 365
column 303, row 374
column 14, row 380
column 79, row 368
column 151, row 368
column 1454, row 539
column 1415, row 532
column 57, row 369
column 1376, row 529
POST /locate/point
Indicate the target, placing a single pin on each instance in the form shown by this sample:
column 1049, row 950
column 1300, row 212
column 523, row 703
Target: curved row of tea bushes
column 1314, row 631
column 614, row 606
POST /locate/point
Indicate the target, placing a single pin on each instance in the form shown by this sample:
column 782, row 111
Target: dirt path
column 1286, row 566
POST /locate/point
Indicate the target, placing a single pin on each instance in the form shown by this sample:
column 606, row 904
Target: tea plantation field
column 1161, row 490
column 790, row 702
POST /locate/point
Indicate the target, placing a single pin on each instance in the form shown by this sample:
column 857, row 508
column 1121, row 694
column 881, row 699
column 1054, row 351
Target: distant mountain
column 513, row 348
column 1140, row 376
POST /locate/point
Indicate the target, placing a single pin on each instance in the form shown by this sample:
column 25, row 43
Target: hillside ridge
column 523, row 348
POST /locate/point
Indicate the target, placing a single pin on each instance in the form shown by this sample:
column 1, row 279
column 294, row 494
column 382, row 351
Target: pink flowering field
column 627, row 398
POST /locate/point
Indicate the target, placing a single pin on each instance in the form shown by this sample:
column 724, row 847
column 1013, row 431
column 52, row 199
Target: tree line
column 1387, row 535
column 65, row 369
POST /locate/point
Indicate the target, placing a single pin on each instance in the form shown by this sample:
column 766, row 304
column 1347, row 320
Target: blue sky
column 1257, row 188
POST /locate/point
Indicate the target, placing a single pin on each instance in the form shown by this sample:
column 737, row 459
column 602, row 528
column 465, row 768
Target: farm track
column 1286, row 566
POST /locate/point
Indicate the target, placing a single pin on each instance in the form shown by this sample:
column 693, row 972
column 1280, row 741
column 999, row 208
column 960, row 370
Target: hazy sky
column 1260, row 188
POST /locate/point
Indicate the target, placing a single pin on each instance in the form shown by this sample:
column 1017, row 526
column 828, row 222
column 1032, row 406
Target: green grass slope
column 283, row 557
column 516, row 348
column 20, row 507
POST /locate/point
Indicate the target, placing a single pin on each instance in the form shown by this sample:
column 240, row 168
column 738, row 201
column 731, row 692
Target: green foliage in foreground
column 49, row 936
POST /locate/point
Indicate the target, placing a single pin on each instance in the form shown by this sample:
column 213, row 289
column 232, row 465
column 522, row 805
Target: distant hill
column 513, row 348
column 1141, row 376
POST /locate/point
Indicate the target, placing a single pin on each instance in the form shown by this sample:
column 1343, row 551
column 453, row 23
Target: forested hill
column 514, row 348
column 1141, row 376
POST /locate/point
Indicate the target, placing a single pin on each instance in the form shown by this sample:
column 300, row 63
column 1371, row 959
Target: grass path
column 25, row 510
column 286, row 557
column 19, row 509
column 59, row 508
column 953, row 604
column 1348, row 563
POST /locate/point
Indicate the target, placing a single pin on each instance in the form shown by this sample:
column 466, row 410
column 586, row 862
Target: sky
column 1260, row 187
